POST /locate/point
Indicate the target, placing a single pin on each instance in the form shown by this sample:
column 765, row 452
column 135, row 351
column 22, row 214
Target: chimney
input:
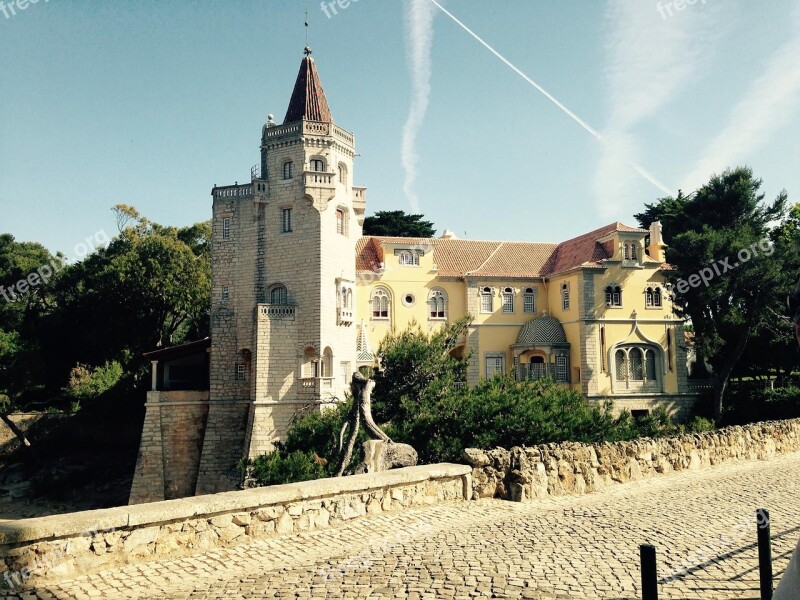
column 657, row 247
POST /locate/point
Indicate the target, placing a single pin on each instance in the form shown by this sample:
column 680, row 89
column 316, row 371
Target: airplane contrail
column 596, row 134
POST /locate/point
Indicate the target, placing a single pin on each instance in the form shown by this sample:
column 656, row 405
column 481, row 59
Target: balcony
column 345, row 316
column 277, row 312
column 316, row 386
column 318, row 179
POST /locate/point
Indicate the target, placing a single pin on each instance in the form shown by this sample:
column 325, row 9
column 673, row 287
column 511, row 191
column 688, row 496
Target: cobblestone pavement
column 702, row 524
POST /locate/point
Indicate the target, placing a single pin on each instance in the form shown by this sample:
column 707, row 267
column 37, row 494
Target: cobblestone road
column 583, row 547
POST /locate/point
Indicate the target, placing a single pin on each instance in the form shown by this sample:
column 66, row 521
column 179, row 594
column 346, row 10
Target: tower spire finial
column 307, row 50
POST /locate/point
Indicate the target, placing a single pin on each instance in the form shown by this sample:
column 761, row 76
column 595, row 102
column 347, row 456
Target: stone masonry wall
column 169, row 449
column 570, row 468
column 59, row 546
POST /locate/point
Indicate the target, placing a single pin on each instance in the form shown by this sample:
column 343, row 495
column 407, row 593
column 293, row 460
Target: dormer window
column 407, row 258
column 288, row 169
column 317, row 165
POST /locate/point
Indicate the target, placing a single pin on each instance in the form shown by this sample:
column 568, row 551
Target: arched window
column 407, row 258
column 613, row 295
column 317, row 164
column 342, row 173
column 636, row 368
column 279, row 295
column 437, row 301
column 508, row 300
column 648, row 297
column 288, row 169
column 529, row 304
column 380, row 304
column 487, row 303
column 327, row 363
column 341, row 222
column 633, row 250
column 565, row 296
column 626, row 252
column 349, row 298
column 657, row 297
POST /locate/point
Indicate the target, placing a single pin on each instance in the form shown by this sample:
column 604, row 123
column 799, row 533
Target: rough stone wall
column 570, row 468
column 169, row 450
column 61, row 546
column 148, row 477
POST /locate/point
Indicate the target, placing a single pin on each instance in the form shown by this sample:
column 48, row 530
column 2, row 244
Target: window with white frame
column 437, row 300
column 286, row 220
column 240, row 372
column 380, row 304
column 529, row 300
column 613, row 295
column 508, row 300
column 487, row 300
column 279, row 295
column 288, row 169
column 408, row 258
column 633, row 251
column 342, row 173
column 652, row 297
column 561, row 368
column 565, row 296
column 226, row 228
column 317, row 165
column 625, row 251
column 495, row 365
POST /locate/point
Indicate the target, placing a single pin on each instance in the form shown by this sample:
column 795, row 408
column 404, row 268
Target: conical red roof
column 308, row 98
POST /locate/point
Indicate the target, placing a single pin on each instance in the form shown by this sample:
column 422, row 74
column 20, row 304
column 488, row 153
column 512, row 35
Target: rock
column 382, row 456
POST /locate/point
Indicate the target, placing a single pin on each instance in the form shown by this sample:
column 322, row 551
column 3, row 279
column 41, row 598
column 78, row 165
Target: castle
column 301, row 299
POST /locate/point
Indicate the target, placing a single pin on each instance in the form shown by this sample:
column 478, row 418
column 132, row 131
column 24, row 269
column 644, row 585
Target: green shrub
column 281, row 467
column 505, row 412
column 86, row 383
column 311, row 449
column 700, row 425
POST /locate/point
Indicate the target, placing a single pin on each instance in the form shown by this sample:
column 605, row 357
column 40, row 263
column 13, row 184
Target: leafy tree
column 723, row 278
column 86, row 383
column 149, row 287
column 396, row 223
column 413, row 364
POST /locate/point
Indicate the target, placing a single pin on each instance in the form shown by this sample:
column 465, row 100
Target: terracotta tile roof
column 457, row 258
column 523, row 259
column 308, row 98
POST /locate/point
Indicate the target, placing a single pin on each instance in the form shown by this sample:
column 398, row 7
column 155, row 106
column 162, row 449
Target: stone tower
column 283, row 307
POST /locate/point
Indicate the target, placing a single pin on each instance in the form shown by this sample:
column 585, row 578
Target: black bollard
column 764, row 553
column 647, row 554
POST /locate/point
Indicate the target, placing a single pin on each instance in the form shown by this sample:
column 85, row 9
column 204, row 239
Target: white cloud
column 770, row 102
column 650, row 60
column 419, row 34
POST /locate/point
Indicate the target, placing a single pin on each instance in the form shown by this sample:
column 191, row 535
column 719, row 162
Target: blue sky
column 151, row 103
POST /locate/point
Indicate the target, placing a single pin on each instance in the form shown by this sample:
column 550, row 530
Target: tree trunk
column 23, row 439
column 721, row 382
column 347, row 456
column 366, row 410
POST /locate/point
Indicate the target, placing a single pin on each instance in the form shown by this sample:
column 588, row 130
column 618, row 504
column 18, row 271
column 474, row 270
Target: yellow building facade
column 593, row 312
